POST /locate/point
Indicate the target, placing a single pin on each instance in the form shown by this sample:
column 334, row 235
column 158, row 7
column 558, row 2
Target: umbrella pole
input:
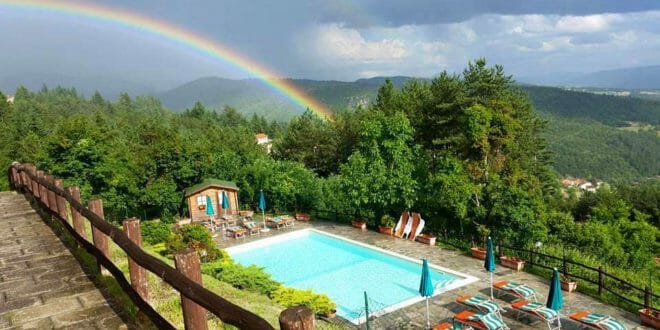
column 263, row 218
column 491, row 285
column 428, row 317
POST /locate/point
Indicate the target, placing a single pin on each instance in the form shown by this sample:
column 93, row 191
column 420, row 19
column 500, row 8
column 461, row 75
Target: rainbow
column 179, row 36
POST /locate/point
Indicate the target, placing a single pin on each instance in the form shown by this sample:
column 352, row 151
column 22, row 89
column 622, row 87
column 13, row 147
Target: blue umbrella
column 555, row 299
column 262, row 206
column 489, row 263
column 225, row 200
column 426, row 289
column 209, row 206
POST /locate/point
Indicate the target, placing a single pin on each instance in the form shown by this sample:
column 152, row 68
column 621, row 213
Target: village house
column 262, row 139
column 196, row 197
column 10, row 99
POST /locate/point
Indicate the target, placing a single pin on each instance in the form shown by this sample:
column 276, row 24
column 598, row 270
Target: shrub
column 387, row 221
column 166, row 216
column 196, row 237
column 154, row 232
column 319, row 303
column 251, row 278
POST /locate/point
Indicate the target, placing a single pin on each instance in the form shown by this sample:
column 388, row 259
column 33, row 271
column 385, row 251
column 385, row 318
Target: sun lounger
column 252, row 227
column 420, row 227
column 413, row 226
column 480, row 321
column 401, row 225
column 597, row 321
column 452, row 326
column 412, row 221
column 288, row 221
column 538, row 310
column 481, row 304
column 516, row 289
column 276, row 222
column 236, row 232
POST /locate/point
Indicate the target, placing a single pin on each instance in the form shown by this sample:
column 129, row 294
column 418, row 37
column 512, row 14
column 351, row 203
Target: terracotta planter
column 568, row 286
column 202, row 207
column 386, row 230
column 478, row 253
column 426, row 239
column 512, row 262
column 302, row 217
column 359, row 223
column 650, row 317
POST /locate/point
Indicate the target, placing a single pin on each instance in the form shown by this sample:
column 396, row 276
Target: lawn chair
column 518, row 290
column 480, row 321
column 276, row 222
column 252, row 227
column 236, row 232
column 481, row 304
column 597, row 321
column 538, row 310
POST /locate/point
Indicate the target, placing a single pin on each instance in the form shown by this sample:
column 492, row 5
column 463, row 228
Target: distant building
column 10, row 99
column 200, row 194
column 262, row 139
column 582, row 184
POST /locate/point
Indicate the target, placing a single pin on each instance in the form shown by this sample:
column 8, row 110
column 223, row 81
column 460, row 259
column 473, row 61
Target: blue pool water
column 341, row 269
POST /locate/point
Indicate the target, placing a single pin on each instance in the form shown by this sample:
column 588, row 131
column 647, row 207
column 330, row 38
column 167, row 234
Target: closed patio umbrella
column 262, row 206
column 426, row 289
column 555, row 299
column 209, row 206
column 489, row 263
column 225, row 201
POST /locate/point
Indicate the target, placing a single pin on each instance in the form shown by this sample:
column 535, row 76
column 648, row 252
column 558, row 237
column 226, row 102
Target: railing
column 49, row 192
column 603, row 281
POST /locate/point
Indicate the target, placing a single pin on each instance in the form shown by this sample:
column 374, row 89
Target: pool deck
column 443, row 307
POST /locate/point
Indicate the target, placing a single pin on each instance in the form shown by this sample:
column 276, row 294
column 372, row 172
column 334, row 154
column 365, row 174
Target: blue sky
column 340, row 39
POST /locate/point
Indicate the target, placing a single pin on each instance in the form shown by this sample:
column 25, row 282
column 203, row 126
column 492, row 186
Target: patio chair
column 597, row 321
column 518, row 290
column 481, row 304
column 538, row 310
column 276, row 222
column 236, row 232
column 252, row 227
column 480, row 321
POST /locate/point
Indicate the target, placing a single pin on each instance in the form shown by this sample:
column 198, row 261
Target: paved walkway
column 41, row 284
column 442, row 307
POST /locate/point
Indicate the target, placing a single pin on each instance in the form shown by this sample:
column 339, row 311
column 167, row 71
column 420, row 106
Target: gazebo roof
column 207, row 183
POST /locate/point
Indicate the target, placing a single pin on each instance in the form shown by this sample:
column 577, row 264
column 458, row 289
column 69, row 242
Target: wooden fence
column 604, row 282
column 59, row 202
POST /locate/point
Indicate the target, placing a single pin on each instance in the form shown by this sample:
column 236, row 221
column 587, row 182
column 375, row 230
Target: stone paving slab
column 442, row 307
column 42, row 286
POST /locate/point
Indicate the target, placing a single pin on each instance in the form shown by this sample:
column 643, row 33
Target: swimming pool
column 344, row 270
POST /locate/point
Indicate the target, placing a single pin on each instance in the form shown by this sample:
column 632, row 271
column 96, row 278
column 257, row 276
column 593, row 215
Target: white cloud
column 349, row 44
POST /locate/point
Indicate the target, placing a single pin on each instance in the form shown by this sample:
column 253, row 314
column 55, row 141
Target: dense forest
column 467, row 150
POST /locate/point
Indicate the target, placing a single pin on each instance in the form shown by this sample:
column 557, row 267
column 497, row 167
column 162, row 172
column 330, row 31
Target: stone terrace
column 41, row 284
column 442, row 307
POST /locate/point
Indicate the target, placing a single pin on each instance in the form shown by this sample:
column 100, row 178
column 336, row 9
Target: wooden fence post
column 76, row 217
column 647, row 297
column 35, row 186
column 138, row 274
column 50, row 195
column 43, row 196
column 61, row 202
column 194, row 316
column 26, row 178
column 99, row 238
column 565, row 266
column 297, row 318
column 600, row 280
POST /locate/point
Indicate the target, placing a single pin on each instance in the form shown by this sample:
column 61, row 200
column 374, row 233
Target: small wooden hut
column 213, row 188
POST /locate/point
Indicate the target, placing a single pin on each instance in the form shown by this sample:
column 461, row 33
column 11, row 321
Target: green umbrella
column 555, row 300
column 426, row 289
column 209, row 206
column 262, row 206
column 489, row 263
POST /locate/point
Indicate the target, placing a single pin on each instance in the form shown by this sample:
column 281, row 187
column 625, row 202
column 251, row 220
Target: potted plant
column 512, row 262
column 650, row 317
column 387, row 225
column 476, row 251
column 567, row 284
column 359, row 223
column 426, row 238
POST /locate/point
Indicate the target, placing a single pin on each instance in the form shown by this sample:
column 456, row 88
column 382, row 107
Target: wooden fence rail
column 53, row 197
column 534, row 257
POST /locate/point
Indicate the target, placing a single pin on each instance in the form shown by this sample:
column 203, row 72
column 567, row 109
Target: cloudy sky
column 340, row 39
